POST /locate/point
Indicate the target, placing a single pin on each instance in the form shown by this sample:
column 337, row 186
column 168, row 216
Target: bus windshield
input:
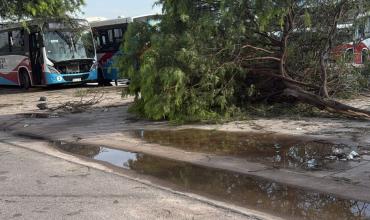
column 65, row 45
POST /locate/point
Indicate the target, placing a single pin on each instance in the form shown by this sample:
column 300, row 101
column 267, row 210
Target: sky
column 115, row 8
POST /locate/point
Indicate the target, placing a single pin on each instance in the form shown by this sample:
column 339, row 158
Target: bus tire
column 24, row 80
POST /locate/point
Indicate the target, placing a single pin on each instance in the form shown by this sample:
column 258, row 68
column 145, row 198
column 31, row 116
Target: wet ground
column 106, row 124
column 36, row 185
column 280, row 151
column 270, row 197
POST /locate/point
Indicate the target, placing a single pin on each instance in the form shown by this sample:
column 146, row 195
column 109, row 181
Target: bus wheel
column 24, row 79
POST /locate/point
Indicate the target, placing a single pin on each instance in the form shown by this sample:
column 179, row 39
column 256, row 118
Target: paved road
column 37, row 186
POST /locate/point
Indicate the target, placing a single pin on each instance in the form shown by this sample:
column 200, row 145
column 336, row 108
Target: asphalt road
column 34, row 185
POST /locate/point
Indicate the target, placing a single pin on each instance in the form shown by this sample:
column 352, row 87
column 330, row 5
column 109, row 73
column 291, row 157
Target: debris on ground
column 42, row 99
column 81, row 105
column 42, row 106
column 340, row 154
column 353, row 155
column 312, row 164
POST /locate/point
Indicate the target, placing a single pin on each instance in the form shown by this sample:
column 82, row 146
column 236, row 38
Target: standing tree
column 16, row 10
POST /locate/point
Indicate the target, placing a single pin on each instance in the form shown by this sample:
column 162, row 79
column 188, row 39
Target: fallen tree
column 210, row 58
column 326, row 104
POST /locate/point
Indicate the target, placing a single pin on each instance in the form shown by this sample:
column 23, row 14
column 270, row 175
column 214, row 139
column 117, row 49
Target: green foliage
column 283, row 109
column 16, row 10
column 204, row 60
column 365, row 72
column 175, row 80
column 348, row 81
column 137, row 41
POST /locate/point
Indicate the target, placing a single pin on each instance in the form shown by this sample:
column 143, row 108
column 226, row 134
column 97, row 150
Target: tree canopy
column 16, row 10
column 211, row 58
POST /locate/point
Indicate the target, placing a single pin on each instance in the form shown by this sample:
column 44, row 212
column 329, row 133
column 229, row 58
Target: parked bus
column 47, row 53
column 357, row 51
column 109, row 36
column 151, row 19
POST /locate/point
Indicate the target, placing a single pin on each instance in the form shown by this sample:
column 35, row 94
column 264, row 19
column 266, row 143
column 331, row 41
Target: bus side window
column 104, row 41
column 4, row 42
column 102, row 38
column 118, row 35
column 17, row 41
column 110, row 36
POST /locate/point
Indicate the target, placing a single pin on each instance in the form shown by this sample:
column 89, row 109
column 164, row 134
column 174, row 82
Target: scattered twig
column 81, row 105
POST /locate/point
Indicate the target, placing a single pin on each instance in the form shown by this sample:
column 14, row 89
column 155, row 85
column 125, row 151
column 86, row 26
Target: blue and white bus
column 47, row 53
column 109, row 36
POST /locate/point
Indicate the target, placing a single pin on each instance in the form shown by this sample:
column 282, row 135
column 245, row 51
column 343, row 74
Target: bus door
column 36, row 57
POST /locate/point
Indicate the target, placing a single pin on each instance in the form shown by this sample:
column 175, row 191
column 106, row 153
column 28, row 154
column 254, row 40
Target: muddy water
column 270, row 149
column 270, row 197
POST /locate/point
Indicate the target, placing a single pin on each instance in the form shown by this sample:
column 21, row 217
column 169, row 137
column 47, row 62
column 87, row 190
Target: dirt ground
column 108, row 122
column 15, row 101
column 350, row 131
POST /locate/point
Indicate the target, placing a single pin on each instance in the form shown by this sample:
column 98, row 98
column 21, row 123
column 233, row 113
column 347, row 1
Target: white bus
column 47, row 53
column 109, row 36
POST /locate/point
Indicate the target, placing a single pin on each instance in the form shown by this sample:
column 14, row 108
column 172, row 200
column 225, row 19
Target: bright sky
column 115, row 8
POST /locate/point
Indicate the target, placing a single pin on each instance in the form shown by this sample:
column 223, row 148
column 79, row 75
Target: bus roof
column 145, row 18
column 110, row 22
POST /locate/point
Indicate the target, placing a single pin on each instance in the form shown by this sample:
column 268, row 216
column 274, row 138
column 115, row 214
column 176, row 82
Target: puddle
column 38, row 115
column 115, row 157
column 270, row 197
column 270, row 149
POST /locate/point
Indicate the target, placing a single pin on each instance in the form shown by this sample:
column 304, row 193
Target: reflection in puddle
column 116, row 157
column 274, row 198
column 271, row 149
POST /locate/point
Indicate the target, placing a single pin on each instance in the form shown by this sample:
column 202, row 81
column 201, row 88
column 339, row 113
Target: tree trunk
column 288, row 27
column 324, row 77
column 325, row 104
column 327, row 47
